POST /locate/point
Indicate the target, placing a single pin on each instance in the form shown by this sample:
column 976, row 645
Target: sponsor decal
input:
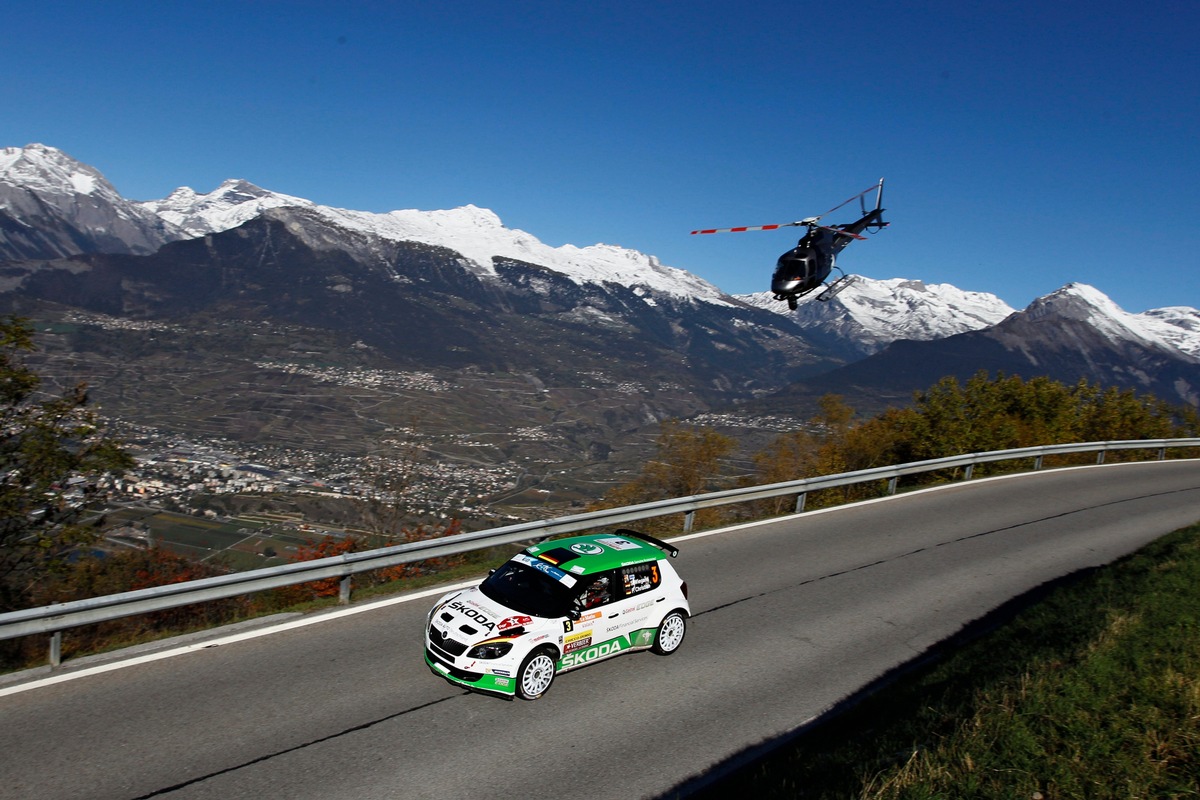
column 472, row 613
column 542, row 566
column 577, row 641
column 539, row 638
column 503, row 672
column 502, row 681
column 586, row 618
column 603, row 650
column 645, row 638
column 519, row 621
column 646, row 604
column 587, row 549
column 617, row 543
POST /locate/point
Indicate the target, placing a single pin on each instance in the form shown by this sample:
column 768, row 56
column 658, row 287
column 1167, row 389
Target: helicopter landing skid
column 832, row 289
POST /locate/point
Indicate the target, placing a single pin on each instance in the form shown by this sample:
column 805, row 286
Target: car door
column 637, row 607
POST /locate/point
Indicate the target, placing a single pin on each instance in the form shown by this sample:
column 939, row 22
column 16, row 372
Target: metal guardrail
column 56, row 618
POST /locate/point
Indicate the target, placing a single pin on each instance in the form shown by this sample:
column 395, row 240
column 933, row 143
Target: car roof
column 586, row 555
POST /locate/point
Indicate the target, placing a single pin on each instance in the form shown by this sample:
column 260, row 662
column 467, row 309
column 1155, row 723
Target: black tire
column 536, row 674
column 670, row 633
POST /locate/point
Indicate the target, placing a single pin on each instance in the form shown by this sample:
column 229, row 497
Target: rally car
column 556, row 606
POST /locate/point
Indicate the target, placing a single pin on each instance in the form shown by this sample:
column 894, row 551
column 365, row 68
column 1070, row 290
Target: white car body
column 554, row 607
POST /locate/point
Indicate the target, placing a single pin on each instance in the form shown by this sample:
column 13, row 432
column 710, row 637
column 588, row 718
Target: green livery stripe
column 495, row 684
column 638, row 640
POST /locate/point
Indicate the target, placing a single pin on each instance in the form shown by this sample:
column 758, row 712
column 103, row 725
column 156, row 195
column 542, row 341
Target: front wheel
column 670, row 633
column 536, row 674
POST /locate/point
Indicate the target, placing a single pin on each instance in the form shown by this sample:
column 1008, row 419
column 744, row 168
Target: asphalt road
column 790, row 617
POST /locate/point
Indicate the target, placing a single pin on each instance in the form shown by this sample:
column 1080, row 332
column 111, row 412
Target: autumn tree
column 830, row 443
column 952, row 418
column 687, row 462
column 54, row 460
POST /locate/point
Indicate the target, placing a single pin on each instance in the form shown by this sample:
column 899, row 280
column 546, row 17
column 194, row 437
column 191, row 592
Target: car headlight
column 490, row 650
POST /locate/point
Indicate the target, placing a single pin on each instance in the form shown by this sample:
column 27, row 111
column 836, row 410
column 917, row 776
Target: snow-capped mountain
column 229, row 205
column 869, row 314
column 477, row 233
column 443, row 289
column 1076, row 333
column 53, row 206
column 1082, row 324
column 1171, row 330
column 1177, row 325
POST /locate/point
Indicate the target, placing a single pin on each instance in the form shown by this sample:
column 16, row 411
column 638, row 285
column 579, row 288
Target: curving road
column 790, row 617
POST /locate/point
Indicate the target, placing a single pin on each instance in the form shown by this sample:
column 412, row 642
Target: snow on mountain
column 1171, row 330
column 873, row 313
column 56, row 206
column 479, row 235
column 476, row 233
column 52, row 174
column 1178, row 325
column 232, row 203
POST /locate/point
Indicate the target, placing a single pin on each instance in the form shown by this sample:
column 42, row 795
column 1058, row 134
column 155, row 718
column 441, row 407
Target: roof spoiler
column 670, row 550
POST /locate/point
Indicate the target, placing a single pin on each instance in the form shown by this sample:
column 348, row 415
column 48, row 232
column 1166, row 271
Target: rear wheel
column 536, row 674
column 670, row 633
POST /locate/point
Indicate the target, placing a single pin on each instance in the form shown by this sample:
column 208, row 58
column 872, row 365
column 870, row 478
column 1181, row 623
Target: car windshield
column 528, row 590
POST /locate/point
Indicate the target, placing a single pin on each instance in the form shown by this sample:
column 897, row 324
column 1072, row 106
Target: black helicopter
column 806, row 266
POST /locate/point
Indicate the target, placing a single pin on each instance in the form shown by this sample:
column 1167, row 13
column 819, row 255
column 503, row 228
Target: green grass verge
column 1093, row 692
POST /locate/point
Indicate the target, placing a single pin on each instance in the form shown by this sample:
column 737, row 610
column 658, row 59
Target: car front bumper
column 475, row 681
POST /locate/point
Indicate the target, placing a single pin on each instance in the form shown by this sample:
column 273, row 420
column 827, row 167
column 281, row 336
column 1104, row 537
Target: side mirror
column 574, row 615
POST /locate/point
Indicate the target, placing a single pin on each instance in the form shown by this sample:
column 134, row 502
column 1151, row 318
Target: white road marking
column 232, row 638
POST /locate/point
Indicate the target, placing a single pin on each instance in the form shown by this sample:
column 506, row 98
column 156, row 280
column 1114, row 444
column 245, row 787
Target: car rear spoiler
column 670, row 550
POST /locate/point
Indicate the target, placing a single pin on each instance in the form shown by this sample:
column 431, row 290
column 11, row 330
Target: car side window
column 639, row 578
column 597, row 593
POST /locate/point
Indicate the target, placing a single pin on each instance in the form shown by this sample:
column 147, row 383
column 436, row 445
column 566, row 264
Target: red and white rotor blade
column 747, row 228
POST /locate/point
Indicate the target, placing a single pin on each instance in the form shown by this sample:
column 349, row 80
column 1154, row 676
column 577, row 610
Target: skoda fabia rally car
column 556, row 606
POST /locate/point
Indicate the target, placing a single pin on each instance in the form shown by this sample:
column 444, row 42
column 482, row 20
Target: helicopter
column 806, row 267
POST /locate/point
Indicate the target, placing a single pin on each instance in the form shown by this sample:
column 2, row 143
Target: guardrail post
column 1162, row 454
column 800, row 498
column 1100, row 457
column 970, row 470
column 688, row 518
column 892, row 485
column 344, row 591
column 56, row 649
column 1037, row 463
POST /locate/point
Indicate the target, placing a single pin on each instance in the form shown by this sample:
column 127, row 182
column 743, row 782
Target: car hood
column 471, row 616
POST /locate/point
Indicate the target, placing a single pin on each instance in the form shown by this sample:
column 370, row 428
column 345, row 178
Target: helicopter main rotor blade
column 749, row 228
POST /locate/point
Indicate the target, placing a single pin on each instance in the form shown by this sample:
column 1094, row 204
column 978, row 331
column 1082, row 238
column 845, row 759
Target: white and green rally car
column 556, row 606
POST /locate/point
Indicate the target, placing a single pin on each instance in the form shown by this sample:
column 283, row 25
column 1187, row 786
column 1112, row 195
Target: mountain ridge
column 602, row 286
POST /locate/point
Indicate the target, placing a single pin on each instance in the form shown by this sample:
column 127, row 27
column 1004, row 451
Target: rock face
column 871, row 314
column 1076, row 333
column 52, row 206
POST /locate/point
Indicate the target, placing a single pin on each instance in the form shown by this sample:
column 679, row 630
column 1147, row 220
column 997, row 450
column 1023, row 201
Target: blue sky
column 1026, row 145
